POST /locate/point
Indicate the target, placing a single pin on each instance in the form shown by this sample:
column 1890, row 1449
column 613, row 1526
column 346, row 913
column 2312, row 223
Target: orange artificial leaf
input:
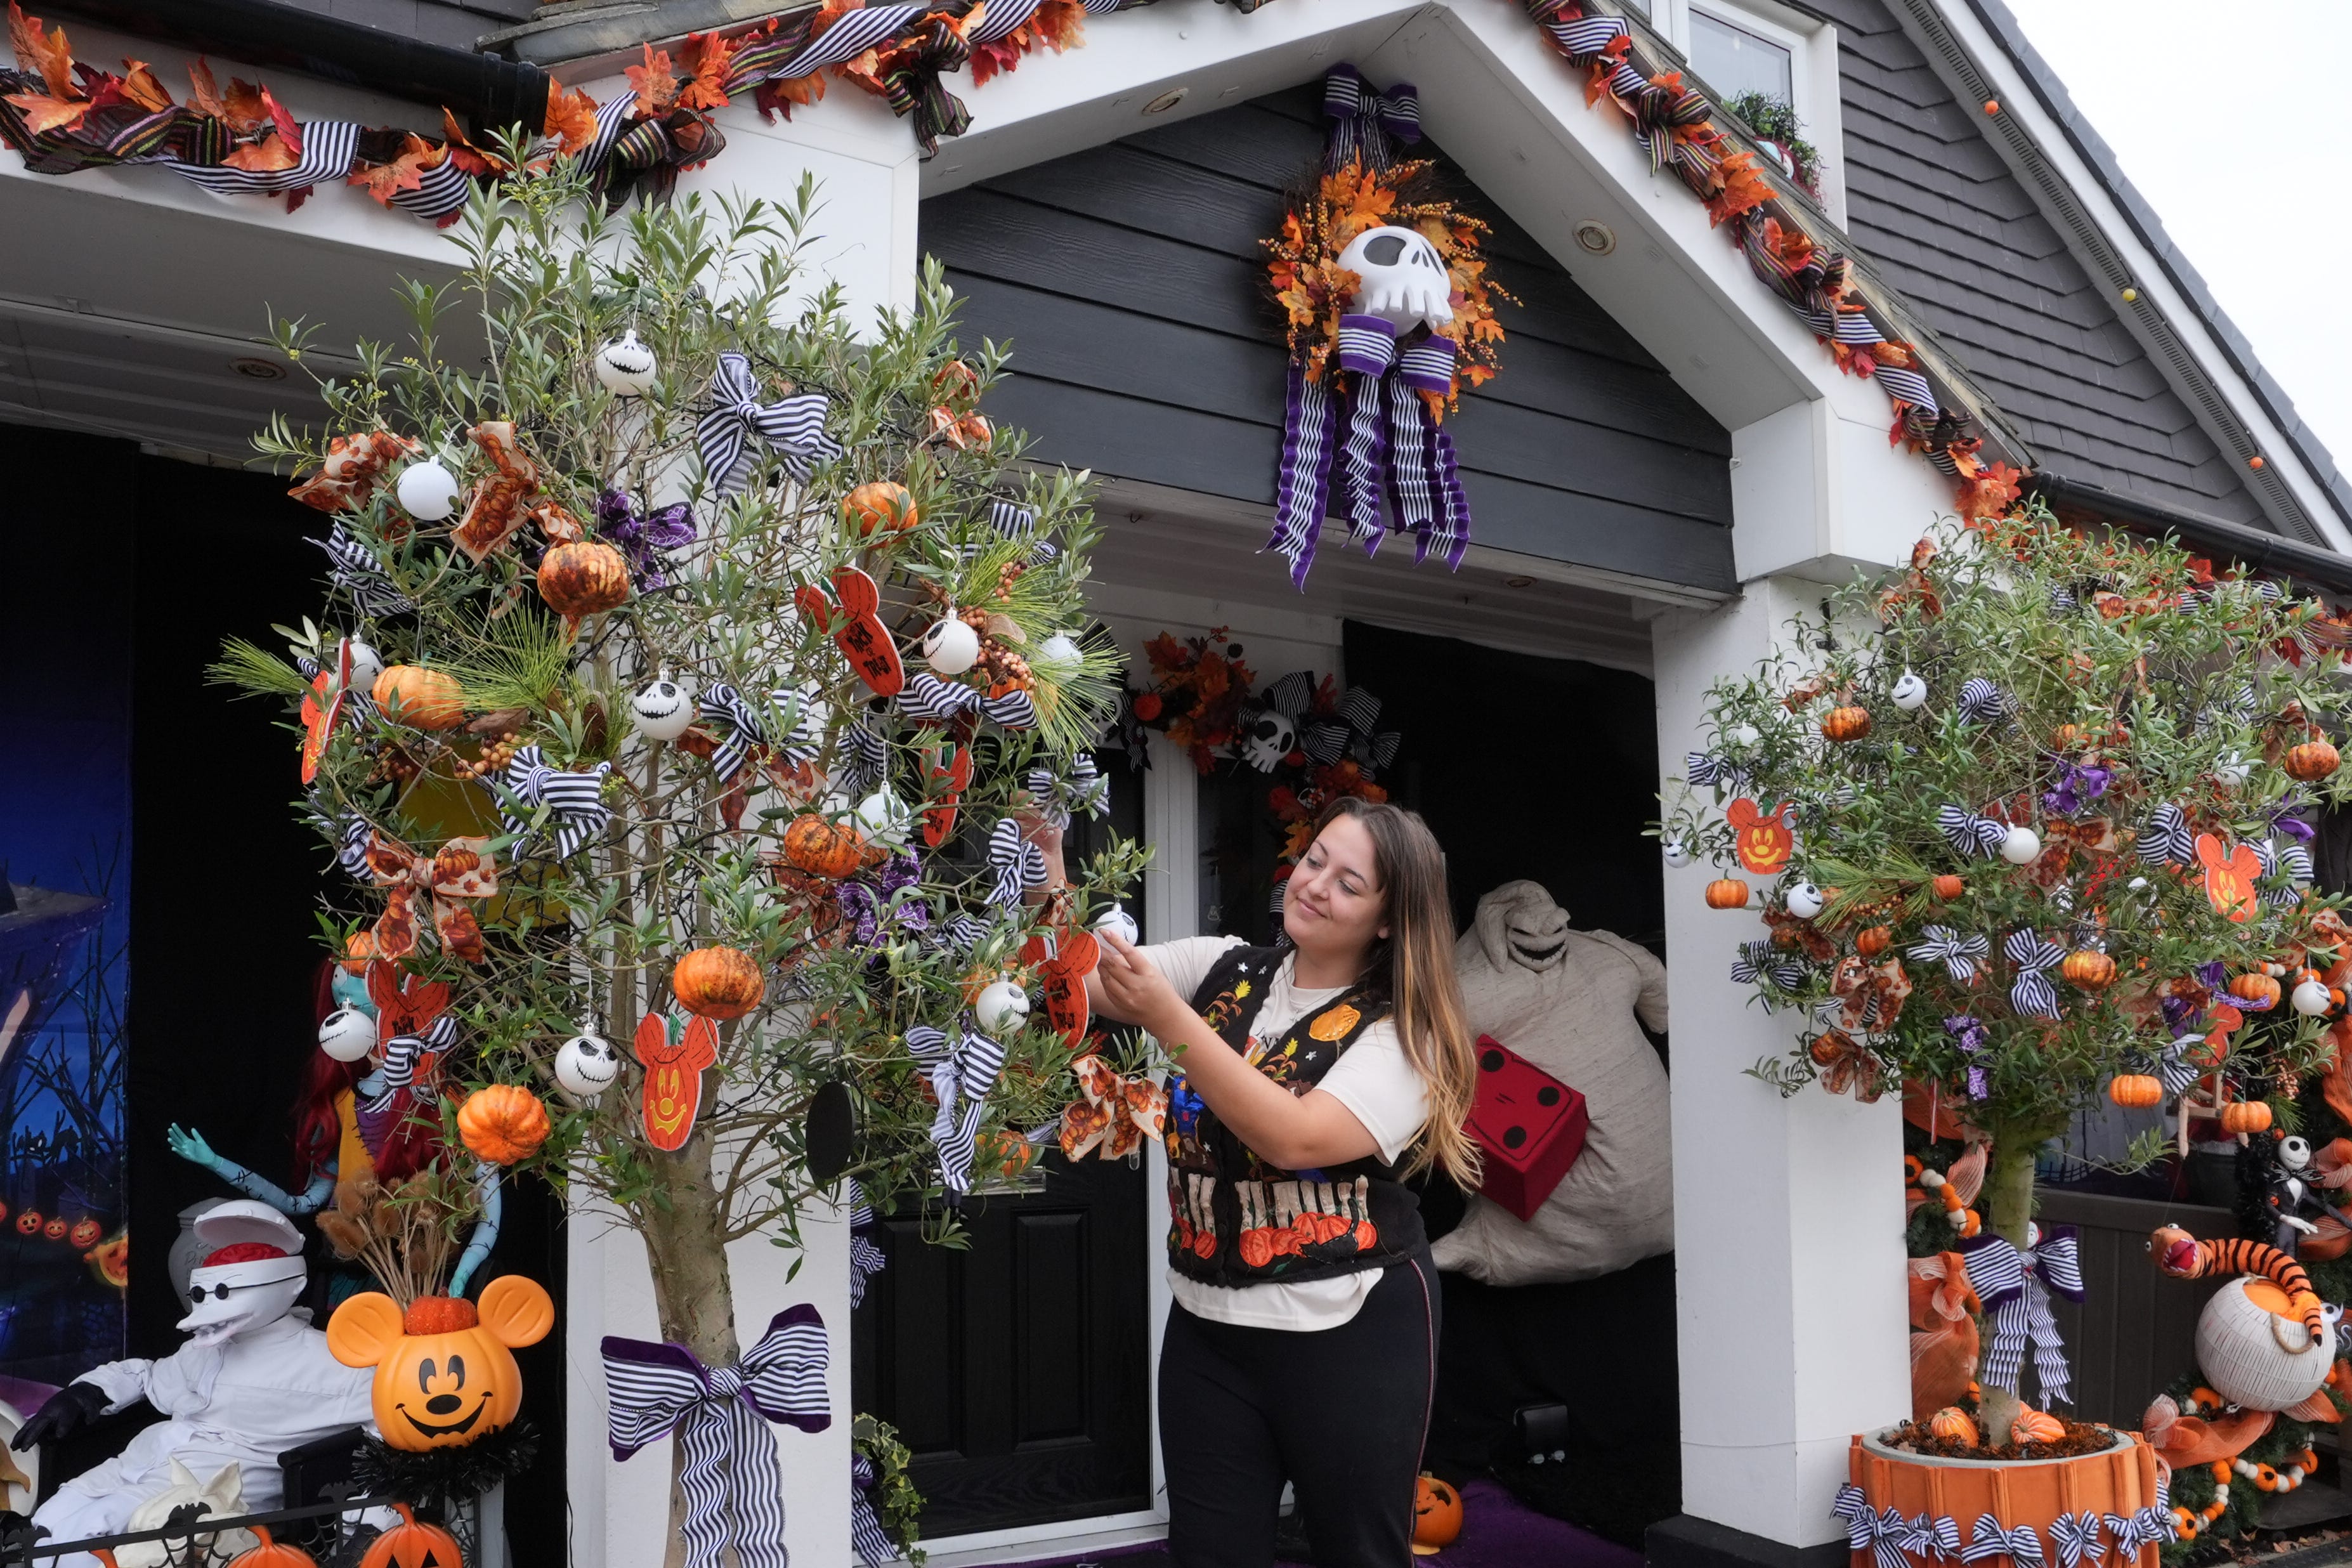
column 704, row 57
column 247, row 107
column 44, row 113
column 141, row 87
column 268, row 156
column 404, row 173
column 43, row 55
column 202, row 91
column 654, row 82
column 570, row 118
column 470, row 159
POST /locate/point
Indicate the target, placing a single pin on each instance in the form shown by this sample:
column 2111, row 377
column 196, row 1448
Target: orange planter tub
column 2122, row 1480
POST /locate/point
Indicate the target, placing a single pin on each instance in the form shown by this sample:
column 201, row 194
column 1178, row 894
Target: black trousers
column 1340, row 1413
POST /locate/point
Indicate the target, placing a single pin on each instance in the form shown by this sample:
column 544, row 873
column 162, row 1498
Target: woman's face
column 1334, row 902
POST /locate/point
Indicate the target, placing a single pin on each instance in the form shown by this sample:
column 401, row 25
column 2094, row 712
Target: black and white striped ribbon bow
column 1886, row 1535
column 865, row 759
column 1291, row 695
column 2292, row 859
column 1760, row 961
column 1352, row 731
column 866, row 1257
column 2229, row 710
column 741, row 730
column 1722, row 772
column 2174, row 1071
column 2166, row 840
column 2075, row 1536
column 727, row 1456
column 927, row 699
column 352, row 567
column 958, row 933
column 961, row 1075
column 1010, row 520
column 2021, row 1546
column 2031, row 994
column 2015, row 1288
column 359, row 707
column 1971, row 835
column 574, row 801
column 866, row 1534
column 351, row 834
column 1058, row 795
column 1982, row 702
column 403, row 1056
column 2149, row 1525
column 1014, row 864
column 793, row 428
column 853, row 34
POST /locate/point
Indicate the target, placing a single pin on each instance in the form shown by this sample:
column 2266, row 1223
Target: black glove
column 68, row 1410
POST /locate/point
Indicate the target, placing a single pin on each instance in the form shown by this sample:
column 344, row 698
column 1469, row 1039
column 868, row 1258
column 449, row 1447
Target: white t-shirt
column 1372, row 1079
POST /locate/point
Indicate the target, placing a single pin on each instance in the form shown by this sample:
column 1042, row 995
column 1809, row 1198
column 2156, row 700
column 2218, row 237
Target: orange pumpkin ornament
column 2245, row 1116
column 1947, row 886
column 2135, row 1091
column 503, row 1123
column 1953, row 1425
column 822, row 848
column 2088, row 968
column 2036, row 1426
column 2311, row 760
column 443, row 1389
column 271, row 1554
column 1726, row 893
column 584, row 578
column 411, row 1544
column 1843, row 724
column 419, row 698
column 879, row 504
column 1436, row 1513
column 1871, row 940
column 719, row 983
column 2256, row 988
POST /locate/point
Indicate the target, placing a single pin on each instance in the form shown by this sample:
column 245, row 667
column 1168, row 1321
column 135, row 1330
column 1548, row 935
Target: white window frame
column 1814, row 82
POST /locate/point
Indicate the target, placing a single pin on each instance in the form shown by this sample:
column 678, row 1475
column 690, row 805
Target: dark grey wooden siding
column 1929, row 200
column 2135, row 1330
column 1130, row 283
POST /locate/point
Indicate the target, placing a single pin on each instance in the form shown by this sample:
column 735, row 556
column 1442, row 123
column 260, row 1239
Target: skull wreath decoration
column 1405, row 281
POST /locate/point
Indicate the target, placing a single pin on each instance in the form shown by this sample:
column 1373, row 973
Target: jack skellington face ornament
column 1405, row 281
column 586, row 1066
column 1271, row 738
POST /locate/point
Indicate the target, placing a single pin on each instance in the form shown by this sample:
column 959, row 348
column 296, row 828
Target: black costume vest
column 1240, row 1221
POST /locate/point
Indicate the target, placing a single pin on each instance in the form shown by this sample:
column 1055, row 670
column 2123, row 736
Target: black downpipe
column 490, row 91
column 2263, row 554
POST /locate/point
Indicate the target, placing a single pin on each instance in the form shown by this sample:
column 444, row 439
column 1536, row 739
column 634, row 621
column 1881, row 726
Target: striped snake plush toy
column 2183, row 1257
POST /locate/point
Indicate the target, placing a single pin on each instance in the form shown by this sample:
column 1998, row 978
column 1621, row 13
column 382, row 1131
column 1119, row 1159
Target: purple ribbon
column 867, row 901
column 641, row 538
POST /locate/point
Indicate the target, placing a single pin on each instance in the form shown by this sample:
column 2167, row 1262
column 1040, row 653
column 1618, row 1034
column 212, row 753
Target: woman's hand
column 1134, row 991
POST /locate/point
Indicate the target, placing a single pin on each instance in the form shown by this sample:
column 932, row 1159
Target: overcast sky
column 2227, row 119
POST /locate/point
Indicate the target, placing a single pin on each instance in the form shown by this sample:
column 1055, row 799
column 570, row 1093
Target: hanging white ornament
column 626, row 366
column 1910, row 692
column 426, row 490
column 2311, row 999
column 585, row 1065
column 1676, row 852
column 1116, row 919
column 347, row 1034
column 886, row 818
column 1000, row 1006
column 1742, row 735
column 1059, row 657
column 366, row 665
column 662, row 711
column 950, row 646
column 1805, row 900
column 2233, row 770
column 2022, row 848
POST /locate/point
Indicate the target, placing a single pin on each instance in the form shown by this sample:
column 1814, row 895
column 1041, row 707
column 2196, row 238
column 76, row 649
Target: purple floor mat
column 1496, row 1532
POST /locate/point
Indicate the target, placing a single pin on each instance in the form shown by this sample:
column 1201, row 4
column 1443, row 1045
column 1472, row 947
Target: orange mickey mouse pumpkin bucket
column 444, row 1370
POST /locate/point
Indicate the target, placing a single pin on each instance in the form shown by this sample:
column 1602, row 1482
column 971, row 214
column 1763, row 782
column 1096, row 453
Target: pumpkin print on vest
column 444, row 1370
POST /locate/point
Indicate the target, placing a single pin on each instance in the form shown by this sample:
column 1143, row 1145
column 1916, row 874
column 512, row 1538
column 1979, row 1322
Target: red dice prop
column 1531, row 1125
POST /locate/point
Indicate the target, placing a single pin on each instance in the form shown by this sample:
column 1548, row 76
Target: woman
column 1302, row 1344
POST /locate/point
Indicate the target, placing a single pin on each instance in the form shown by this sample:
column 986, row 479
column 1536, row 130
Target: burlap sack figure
column 1567, row 1002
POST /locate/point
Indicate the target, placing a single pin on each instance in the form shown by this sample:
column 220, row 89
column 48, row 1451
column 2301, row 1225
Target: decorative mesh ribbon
column 962, row 1072
column 734, row 1491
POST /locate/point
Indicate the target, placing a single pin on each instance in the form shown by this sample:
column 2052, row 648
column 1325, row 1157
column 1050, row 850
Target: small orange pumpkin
column 419, row 698
column 583, row 578
column 1848, row 723
column 2135, row 1091
column 2247, row 1116
column 2088, row 968
column 1947, row 886
column 2036, row 1426
column 719, row 982
column 445, row 1388
column 411, row 1544
column 1726, row 893
column 502, row 1123
column 879, row 504
column 271, row 1554
column 822, row 848
column 1871, row 940
column 2311, row 760
column 439, row 1315
column 1953, row 1425
column 1436, row 1513
column 2256, row 988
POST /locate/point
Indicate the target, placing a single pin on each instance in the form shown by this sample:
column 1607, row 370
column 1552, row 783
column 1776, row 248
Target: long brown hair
column 1414, row 967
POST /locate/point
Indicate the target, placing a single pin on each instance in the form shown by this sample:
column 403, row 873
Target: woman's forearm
column 1294, row 1132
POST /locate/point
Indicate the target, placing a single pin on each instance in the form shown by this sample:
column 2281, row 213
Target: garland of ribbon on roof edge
column 64, row 116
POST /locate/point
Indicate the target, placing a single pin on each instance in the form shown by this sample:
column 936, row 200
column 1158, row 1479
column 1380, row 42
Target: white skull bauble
column 1805, row 900
column 662, row 711
column 1271, row 739
column 1059, row 657
column 626, row 366
column 1910, row 692
column 2022, row 848
column 427, row 491
column 586, row 1066
column 1405, row 281
column 1116, row 919
column 347, row 1034
column 950, row 646
column 2311, row 999
column 1676, row 852
column 366, row 665
column 1001, row 1005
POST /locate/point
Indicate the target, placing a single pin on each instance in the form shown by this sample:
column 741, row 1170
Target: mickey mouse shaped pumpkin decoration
column 444, row 1370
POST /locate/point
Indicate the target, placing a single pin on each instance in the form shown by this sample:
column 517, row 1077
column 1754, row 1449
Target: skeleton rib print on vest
column 1238, row 1220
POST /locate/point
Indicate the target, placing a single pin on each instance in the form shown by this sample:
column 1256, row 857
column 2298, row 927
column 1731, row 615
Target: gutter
column 492, row 92
column 2263, row 554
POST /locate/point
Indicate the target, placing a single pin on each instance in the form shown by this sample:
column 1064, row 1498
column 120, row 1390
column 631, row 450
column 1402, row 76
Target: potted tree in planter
column 2022, row 825
column 720, row 650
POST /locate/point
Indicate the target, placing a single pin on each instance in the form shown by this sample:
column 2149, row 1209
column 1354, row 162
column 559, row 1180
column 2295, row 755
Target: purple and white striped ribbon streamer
column 866, row 1536
column 1311, row 434
column 1367, row 123
column 961, row 1075
column 734, row 1491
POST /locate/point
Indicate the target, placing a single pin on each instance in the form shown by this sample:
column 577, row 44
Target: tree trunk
column 2008, row 1210
column 692, row 1291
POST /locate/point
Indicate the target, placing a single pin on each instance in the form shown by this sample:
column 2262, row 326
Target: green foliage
column 1775, row 119
column 896, row 1501
column 589, row 943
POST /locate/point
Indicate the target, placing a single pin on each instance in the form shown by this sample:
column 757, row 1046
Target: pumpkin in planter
column 2311, row 760
column 445, row 1371
column 419, row 698
column 2036, row 1426
column 1953, row 1425
column 503, row 1123
column 413, row 1545
column 823, row 848
column 719, row 983
column 1436, row 1513
column 583, row 578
